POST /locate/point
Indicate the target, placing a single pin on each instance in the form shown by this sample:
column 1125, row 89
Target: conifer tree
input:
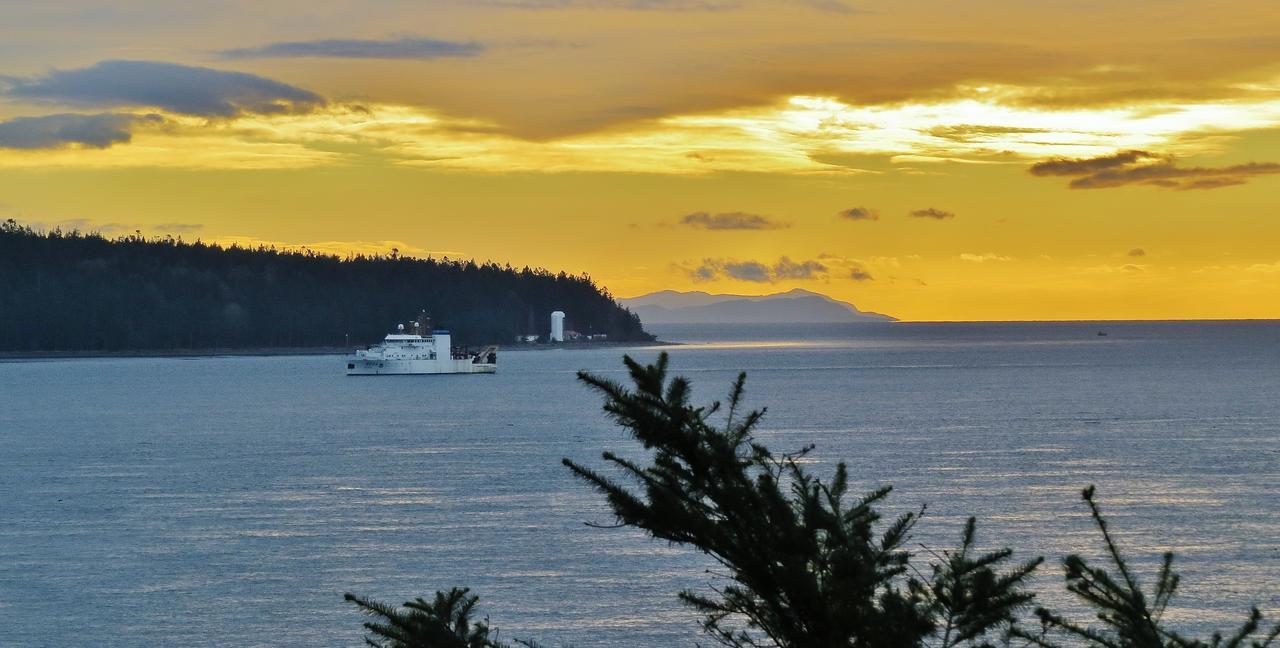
column 443, row 623
column 808, row 565
column 1128, row 618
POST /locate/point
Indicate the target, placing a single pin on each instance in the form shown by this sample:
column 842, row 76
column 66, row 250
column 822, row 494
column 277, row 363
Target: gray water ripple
column 231, row 501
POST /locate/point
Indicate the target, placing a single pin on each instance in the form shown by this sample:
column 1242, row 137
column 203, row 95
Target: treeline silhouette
column 74, row 291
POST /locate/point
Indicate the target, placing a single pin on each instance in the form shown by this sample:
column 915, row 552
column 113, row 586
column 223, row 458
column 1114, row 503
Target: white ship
column 411, row 353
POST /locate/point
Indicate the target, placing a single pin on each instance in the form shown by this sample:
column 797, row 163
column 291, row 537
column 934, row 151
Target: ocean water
column 233, row 500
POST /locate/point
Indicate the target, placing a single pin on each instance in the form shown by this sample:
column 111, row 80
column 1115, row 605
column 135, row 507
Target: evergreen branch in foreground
column 1128, row 619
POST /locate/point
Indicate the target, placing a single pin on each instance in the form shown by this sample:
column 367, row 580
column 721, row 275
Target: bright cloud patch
column 993, row 125
column 984, row 258
column 802, row 135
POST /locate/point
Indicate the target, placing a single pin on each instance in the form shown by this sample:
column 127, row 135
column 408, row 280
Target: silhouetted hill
column 797, row 306
column 83, row 292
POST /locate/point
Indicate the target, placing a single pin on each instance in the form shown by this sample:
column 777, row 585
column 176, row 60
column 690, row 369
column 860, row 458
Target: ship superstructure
column 413, row 353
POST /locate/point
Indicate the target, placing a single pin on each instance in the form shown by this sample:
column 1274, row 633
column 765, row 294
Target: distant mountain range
column 794, row 307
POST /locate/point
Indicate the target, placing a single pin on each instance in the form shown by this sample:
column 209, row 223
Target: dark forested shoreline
column 70, row 291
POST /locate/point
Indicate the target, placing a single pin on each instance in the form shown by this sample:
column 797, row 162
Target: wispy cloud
column 982, row 133
column 860, row 214
column 1137, row 252
column 729, row 221
column 400, row 48
column 1144, row 168
column 86, row 225
column 178, row 228
column 832, row 6
column 182, row 89
column 935, row 214
column 983, row 258
column 343, row 248
column 62, row 130
column 1127, row 269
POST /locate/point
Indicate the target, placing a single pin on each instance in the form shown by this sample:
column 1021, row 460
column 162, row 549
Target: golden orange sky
column 931, row 160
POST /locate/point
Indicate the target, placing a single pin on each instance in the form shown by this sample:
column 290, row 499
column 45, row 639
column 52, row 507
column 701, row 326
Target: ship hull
column 415, row 367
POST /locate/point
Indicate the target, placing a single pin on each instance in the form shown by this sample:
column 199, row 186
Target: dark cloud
column 402, row 48
column 57, row 131
column 176, row 88
column 787, row 269
column 1143, row 168
column 746, row 271
column 729, row 221
column 705, row 272
column 936, row 214
column 1137, row 252
column 1213, row 182
column 860, row 274
column 1085, row 166
column 712, row 269
column 757, row 271
column 860, row 213
column 1170, row 176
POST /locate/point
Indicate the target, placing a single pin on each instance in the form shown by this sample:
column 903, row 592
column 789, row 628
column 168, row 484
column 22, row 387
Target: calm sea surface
column 232, row 500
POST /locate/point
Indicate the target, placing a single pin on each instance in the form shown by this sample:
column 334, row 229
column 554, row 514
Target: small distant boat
column 403, row 354
column 1102, row 334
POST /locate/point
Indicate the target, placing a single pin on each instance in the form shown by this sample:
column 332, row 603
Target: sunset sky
column 933, row 160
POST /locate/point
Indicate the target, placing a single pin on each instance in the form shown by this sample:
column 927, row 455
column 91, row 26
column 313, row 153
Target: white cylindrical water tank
column 442, row 342
column 557, row 326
